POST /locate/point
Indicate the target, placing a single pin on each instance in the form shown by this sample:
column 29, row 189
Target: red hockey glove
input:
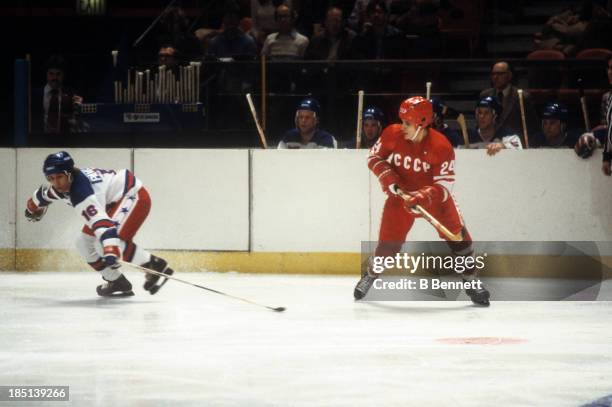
column 424, row 197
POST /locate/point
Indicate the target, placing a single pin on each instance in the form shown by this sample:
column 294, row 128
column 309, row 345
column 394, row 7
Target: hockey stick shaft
column 262, row 136
column 583, row 105
column 264, row 90
column 359, row 118
column 523, row 120
column 149, row 271
column 433, row 221
column 585, row 114
column 464, row 132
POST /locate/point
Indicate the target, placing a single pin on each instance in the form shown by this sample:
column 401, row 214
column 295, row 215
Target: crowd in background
column 364, row 30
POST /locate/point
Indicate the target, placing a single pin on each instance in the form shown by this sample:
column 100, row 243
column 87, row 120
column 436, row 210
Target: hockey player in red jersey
column 416, row 161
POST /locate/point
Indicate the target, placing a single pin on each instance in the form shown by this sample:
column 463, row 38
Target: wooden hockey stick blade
column 149, row 271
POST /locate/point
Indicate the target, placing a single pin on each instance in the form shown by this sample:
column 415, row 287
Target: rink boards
column 300, row 211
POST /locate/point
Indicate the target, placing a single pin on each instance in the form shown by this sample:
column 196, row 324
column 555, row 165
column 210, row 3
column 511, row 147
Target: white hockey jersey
column 92, row 192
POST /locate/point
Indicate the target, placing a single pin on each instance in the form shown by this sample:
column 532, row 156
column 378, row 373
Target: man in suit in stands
column 53, row 107
column 507, row 97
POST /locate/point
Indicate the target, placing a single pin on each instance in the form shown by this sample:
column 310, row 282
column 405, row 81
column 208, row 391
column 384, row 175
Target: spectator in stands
column 598, row 33
column 310, row 16
column 578, row 27
column 175, row 30
column 54, row 106
column 438, row 122
column 507, row 96
column 358, row 15
column 232, row 42
column 334, row 42
column 306, row 133
column 169, row 56
column 554, row 132
column 487, row 134
column 287, row 43
column 420, row 20
column 263, row 18
column 378, row 39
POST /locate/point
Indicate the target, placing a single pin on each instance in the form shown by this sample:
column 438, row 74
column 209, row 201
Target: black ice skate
column 479, row 296
column 121, row 287
column 363, row 286
column 152, row 283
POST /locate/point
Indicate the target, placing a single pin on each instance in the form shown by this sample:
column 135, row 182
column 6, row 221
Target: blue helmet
column 373, row 113
column 491, row 103
column 438, row 106
column 554, row 110
column 309, row 104
column 58, row 163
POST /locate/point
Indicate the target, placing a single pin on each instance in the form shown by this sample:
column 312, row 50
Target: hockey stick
column 262, row 136
column 149, row 271
column 359, row 119
column 464, row 132
column 523, row 121
column 434, row 222
column 583, row 106
column 264, row 89
column 427, row 90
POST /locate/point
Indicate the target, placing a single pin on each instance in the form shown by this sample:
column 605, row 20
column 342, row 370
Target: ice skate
column 152, row 283
column 479, row 296
column 363, row 286
column 121, row 287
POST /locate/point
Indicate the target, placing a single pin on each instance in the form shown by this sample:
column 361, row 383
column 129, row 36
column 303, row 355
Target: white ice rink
column 187, row 347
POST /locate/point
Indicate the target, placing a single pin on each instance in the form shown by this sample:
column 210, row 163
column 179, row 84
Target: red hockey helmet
column 417, row 111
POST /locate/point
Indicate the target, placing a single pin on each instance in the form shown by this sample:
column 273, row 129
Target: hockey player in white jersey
column 113, row 205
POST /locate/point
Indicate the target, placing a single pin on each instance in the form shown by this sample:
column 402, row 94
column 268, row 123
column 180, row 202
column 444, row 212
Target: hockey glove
column 33, row 212
column 112, row 251
column 423, row 197
column 586, row 144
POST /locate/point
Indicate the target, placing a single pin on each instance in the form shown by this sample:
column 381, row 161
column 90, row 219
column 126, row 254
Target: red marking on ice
column 482, row 340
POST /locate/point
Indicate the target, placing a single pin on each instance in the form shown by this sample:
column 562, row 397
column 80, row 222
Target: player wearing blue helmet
column 372, row 125
column 554, row 131
column 486, row 135
column 306, row 133
column 113, row 205
column 439, row 109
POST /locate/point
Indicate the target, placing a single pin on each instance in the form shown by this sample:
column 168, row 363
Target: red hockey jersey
column 412, row 166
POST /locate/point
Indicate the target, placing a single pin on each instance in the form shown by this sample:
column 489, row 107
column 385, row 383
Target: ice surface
column 187, row 347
